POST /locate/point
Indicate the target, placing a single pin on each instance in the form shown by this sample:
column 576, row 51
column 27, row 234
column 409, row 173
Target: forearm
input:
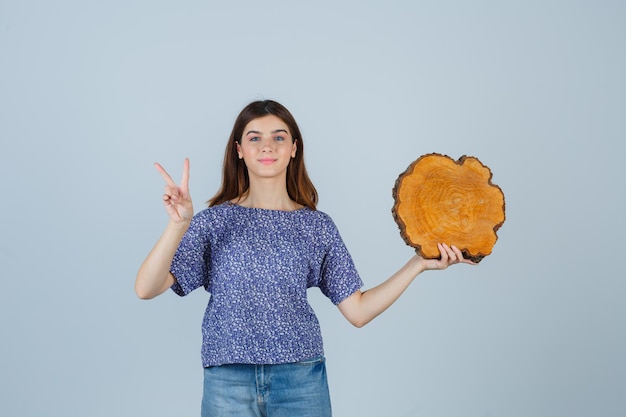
column 363, row 307
column 154, row 277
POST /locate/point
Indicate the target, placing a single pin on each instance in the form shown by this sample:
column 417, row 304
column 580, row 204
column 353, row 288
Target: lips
column 267, row 161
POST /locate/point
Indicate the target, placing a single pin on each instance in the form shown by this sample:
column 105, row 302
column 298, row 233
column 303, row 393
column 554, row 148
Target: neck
column 268, row 195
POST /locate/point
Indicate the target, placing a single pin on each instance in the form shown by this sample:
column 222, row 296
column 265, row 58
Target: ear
column 239, row 151
column 294, row 148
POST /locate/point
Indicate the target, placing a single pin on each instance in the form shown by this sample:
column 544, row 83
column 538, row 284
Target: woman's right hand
column 176, row 198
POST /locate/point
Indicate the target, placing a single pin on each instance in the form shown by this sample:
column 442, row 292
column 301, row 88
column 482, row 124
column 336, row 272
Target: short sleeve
column 190, row 265
column 339, row 277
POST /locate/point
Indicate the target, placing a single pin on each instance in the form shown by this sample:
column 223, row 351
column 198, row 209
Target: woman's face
column 266, row 147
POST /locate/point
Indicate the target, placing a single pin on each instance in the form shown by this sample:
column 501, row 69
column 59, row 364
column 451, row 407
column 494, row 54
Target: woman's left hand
column 450, row 255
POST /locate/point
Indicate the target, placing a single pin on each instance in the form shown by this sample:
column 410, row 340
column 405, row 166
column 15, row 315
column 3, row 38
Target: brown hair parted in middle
column 235, row 181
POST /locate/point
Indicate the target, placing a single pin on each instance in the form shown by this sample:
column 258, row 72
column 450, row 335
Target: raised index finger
column 164, row 174
column 184, row 182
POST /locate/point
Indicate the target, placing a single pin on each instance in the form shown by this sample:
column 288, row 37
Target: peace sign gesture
column 176, row 198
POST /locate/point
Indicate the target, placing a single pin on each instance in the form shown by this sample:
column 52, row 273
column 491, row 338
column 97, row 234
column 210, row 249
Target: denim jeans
column 286, row 390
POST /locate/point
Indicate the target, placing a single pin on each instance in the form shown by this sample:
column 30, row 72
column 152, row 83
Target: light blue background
column 92, row 93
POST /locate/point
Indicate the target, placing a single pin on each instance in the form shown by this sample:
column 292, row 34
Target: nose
column 267, row 144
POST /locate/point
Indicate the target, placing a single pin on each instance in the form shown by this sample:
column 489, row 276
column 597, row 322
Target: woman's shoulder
column 312, row 214
column 215, row 213
column 318, row 219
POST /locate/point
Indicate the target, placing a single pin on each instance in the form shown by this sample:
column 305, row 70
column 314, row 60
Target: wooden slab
column 440, row 200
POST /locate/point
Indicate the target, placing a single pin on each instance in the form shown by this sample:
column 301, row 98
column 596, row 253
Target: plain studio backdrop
column 92, row 93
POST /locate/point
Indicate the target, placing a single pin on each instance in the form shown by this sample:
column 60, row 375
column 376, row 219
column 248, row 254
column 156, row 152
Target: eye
column 279, row 138
column 254, row 139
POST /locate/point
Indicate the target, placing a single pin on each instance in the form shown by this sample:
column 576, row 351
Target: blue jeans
column 285, row 390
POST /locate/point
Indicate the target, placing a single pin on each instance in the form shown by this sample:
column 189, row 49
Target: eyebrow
column 256, row 132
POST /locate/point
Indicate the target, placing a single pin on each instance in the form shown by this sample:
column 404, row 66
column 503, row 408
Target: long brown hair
column 235, row 180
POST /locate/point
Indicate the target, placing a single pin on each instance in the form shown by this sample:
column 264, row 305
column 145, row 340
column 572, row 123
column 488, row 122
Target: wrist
column 179, row 225
column 417, row 264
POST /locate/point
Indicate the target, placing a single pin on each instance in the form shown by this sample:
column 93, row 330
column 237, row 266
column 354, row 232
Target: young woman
column 256, row 249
